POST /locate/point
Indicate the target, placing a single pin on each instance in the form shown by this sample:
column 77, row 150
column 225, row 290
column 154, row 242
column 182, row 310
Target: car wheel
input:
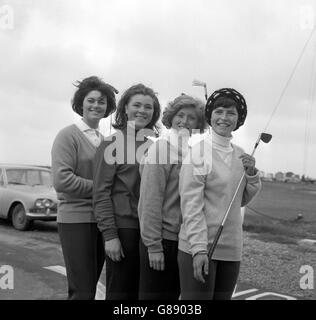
column 19, row 218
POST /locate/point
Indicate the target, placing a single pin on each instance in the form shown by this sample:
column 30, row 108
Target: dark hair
column 226, row 98
column 120, row 115
column 183, row 101
column 89, row 84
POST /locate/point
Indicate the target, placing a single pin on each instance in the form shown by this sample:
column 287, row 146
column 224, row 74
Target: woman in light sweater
column 72, row 167
column 207, row 185
column 159, row 203
column 116, row 189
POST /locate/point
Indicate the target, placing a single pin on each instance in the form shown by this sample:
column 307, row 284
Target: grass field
column 273, row 213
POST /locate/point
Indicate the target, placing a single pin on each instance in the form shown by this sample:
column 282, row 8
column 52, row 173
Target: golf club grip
column 212, row 248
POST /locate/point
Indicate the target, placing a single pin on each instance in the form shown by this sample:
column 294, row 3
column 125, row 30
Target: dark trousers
column 219, row 284
column 83, row 252
column 122, row 277
column 160, row 285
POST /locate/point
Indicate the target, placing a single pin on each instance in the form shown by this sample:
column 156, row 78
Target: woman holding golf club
column 207, row 186
column 159, row 203
column 116, row 183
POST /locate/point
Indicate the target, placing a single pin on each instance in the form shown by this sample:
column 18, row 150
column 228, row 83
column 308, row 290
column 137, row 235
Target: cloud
column 248, row 45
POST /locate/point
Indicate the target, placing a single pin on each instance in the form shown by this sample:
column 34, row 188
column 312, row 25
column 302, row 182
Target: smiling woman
column 140, row 110
column 159, row 203
column 116, row 190
column 205, row 198
column 94, row 107
column 72, row 167
column 224, row 120
column 138, row 101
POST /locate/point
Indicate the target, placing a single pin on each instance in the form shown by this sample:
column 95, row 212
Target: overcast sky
column 249, row 45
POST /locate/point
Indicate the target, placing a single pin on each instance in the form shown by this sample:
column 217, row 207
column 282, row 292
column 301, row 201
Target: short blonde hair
column 184, row 101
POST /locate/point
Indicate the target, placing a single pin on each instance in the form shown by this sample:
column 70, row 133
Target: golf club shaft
column 220, row 229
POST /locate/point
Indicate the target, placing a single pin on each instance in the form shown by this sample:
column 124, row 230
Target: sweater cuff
column 109, row 234
column 157, row 247
column 199, row 252
column 253, row 179
column 198, row 248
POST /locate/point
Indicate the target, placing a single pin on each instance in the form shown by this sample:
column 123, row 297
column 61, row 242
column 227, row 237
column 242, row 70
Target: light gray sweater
column 205, row 197
column 159, row 203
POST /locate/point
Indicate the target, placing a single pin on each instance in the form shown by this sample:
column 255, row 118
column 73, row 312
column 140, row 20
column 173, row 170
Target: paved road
column 28, row 252
column 39, row 272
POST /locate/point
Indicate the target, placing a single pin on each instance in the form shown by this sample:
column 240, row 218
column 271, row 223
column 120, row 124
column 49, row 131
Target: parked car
column 26, row 194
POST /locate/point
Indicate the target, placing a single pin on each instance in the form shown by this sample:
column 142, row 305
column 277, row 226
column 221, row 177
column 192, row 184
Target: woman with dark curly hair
column 116, row 189
column 207, row 185
column 159, row 204
column 72, row 167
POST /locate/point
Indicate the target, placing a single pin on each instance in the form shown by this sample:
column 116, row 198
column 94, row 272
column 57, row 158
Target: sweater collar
column 179, row 140
column 84, row 127
column 222, row 142
column 130, row 131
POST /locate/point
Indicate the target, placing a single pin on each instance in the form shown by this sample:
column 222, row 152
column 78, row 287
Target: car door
column 5, row 194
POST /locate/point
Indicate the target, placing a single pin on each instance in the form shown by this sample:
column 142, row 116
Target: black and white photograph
column 158, row 151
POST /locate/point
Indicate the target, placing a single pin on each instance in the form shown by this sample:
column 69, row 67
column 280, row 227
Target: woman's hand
column 157, row 260
column 114, row 250
column 249, row 163
column 200, row 266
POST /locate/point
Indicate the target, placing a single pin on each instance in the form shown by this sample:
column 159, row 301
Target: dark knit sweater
column 116, row 182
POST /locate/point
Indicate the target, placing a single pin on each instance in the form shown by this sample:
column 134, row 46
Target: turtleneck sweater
column 223, row 146
column 206, row 195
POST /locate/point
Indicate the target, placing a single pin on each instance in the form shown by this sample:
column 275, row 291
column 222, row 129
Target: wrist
column 199, row 253
column 251, row 171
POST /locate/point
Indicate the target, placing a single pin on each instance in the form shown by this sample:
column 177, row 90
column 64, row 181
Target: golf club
column 264, row 137
column 198, row 83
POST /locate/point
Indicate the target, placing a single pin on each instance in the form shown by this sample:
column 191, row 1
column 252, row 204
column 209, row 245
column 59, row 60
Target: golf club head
column 265, row 137
column 198, row 83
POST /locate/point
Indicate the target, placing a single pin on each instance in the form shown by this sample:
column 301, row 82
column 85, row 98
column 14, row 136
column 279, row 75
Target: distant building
column 307, row 179
column 268, row 177
column 279, row 176
column 296, row 178
column 261, row 174
column 291, row 177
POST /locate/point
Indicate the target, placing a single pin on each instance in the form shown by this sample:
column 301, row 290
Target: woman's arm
column 154, row 177
column 252, row 188
column 152, row 192
column 103, row 179
column 253, row 182
column 191, row 185
column 64, row 160
column 191, row 188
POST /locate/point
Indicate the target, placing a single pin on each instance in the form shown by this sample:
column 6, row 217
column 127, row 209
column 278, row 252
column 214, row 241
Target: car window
column 46, row 178
column 31, row 177
column 16, row 176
